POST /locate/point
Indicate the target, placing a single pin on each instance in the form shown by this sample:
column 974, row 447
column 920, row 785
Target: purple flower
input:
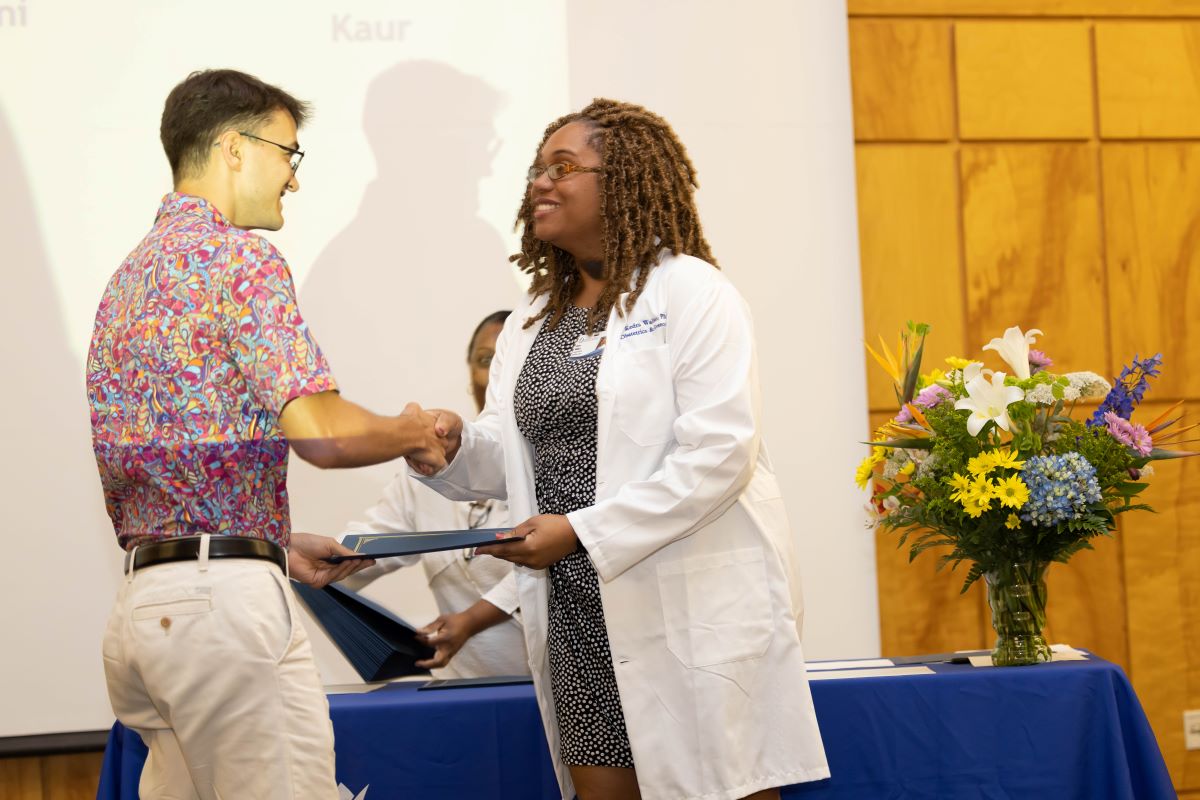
column 1128, row 389
column 1130, row 434
column 1038, row 361
column 929, row 397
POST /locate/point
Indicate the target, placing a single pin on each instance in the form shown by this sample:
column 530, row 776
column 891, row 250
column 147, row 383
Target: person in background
column 658, row 575
column 475, row 634
column 200, row 375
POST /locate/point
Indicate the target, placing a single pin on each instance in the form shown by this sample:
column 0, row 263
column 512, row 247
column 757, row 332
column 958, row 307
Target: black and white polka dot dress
column 555, row 405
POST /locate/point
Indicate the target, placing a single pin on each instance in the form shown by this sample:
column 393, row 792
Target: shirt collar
column 176, row 204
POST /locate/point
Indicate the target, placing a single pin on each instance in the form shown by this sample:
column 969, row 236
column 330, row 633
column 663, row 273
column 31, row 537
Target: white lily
column 973, row 370
column 989, row 400
column 1014, row 349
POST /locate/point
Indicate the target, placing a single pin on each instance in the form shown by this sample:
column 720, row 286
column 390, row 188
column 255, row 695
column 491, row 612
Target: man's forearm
column 391, row 438
column 331, row 432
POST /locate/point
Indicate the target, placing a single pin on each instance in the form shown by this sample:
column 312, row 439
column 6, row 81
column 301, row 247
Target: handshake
column 440, row 434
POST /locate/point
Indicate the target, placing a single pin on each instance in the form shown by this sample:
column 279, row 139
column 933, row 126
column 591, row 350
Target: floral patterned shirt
column 198, row 345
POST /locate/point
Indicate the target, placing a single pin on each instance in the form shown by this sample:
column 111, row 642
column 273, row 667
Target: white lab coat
column 688, row 535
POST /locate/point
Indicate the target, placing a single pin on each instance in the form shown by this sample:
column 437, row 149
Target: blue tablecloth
column 1055, row 731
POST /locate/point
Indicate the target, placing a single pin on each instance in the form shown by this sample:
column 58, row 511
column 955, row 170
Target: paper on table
column 1064, row 652
column 869, row 673
column 822, row 666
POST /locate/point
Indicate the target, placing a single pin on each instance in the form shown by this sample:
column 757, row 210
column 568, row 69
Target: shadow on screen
column 44, row 427
column 394, row 297
column 51, row 489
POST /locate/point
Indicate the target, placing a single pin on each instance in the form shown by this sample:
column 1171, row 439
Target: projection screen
column 427, row 115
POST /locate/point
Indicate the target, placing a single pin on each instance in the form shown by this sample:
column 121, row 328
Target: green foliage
column 1111, row 459
column 912, row 361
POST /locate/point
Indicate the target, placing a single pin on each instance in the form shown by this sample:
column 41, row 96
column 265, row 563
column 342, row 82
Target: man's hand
column 548, row 539
column 449, row 632
column 306, row 564
column 446, row 430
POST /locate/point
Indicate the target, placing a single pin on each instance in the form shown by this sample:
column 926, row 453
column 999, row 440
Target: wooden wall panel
column 21, row 778
column 901, row 80
column 908, row 234
column 1025, row 8
column 1152, row 204
column 1024, row 80
column 1096, row 242
column 1031, row 230
column 1087, row 604
column 1162, row 573
column 1148, row 77
column 71, row 777
column 920, row 608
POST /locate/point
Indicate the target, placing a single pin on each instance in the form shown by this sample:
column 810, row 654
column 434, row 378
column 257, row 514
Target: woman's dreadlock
column 647, row 203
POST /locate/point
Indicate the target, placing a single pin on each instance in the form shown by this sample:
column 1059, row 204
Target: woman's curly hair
column 647, row 187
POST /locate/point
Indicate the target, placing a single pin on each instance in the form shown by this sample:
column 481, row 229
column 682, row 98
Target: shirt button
column 165, row 622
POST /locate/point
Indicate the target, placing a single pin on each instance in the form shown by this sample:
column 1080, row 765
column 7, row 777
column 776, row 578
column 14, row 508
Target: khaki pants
column 210, row 664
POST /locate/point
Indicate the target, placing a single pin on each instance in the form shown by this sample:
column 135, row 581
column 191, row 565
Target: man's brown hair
column 208, row 103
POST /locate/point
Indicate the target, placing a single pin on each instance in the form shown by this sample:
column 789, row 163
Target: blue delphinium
column 1128, row 389
column 1061, row 488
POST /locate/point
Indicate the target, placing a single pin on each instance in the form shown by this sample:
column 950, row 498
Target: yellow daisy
column 1011, row 492
column 980, row 465
column 976, row 505
column 866, row 468
column 1013, row 522
column 982, row 487
column 1005, row 459
column 957, row 363
column 960, row 483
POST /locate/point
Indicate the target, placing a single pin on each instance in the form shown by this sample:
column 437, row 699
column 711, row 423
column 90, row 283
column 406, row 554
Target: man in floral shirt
column 200, row 375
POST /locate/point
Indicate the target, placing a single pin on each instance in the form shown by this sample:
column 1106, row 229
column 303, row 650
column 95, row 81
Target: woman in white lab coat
column 657, row 576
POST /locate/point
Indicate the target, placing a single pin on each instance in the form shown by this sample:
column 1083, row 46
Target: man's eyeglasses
column 557, row 171
column 297, row 155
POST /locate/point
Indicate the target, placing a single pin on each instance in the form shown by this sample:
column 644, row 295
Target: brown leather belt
column 187, row 548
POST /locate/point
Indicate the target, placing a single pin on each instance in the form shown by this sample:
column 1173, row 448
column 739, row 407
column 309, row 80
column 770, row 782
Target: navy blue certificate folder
column 382, row 545
column 378, row 644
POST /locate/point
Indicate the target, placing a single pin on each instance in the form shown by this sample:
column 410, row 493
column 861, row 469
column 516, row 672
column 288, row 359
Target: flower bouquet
column 999, row 468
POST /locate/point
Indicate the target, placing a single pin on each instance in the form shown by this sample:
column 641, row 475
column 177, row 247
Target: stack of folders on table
column 378, row 644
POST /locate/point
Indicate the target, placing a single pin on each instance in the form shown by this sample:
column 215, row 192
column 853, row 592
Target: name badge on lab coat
column 588, row 346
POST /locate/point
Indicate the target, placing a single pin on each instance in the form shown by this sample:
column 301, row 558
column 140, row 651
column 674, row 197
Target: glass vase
column 1017, row 595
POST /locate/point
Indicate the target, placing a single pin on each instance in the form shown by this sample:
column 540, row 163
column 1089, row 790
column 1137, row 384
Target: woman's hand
column 449, row 632
column 548, row 539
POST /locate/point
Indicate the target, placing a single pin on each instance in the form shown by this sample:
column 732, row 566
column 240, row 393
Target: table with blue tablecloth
column 1071, row 729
